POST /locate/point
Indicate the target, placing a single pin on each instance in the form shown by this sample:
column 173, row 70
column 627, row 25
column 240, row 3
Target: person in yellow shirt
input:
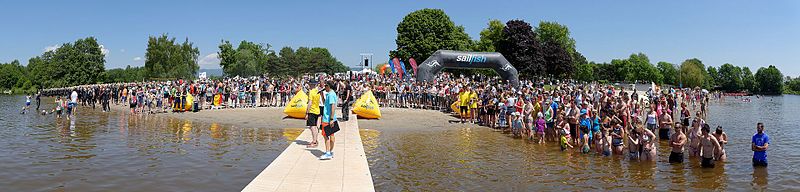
column 473, row 98
column 312, row 111
column 463, row 104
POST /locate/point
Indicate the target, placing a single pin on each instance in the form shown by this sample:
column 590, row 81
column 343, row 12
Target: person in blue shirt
column 586, row 121
column 759, row 146
column 328, row 118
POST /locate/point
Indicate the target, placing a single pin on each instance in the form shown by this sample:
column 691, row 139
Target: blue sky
column 745, row 33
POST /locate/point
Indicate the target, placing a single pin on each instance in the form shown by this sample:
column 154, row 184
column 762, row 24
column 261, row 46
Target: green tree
column 669, row 72
column 78, row 63
column 623, row 70
column 692, row 73
column 584, row 71
column 166, row 58
column 520, row 47
column 748, row 80
column 792, row 86
column 605, row 71
column 554, row 32
column 642, row 70
column 729, row 77
column 248, row 59
column 558, row 61
column 490, row 36
column 128, row 74
column 287, row 62
column 307, row 60
column 11, row 74
column 769, row 80
column 712, row 78
column 423, row 32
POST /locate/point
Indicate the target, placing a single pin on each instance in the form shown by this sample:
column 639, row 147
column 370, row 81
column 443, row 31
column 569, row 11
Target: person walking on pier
column 328, row 119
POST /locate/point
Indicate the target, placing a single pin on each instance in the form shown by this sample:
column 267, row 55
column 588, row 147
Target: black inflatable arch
column 461, row 59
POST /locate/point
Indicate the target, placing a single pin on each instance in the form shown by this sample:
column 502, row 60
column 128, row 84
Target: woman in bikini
column 722, row 138
column 633, row 145
column 694, row 139
column 646, row 141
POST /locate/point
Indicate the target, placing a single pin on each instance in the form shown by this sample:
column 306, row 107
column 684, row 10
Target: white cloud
column 51, row 48
column 122, row 50
column 104, row 50
column 137, row 58
column 210, row 61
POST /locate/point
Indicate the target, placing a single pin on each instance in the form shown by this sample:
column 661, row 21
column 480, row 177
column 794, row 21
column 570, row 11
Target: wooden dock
column 299, row 169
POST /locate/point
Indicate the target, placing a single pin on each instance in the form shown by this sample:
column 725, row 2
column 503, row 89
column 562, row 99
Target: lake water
column 480, row 159
column 114, row 151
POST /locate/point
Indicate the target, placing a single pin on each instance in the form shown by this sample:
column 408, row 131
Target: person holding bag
column 329, row 124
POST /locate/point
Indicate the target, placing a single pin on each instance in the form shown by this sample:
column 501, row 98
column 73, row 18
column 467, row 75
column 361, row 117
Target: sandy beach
column 394, row 119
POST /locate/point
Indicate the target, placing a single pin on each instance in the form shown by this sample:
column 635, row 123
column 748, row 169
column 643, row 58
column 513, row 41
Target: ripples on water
column 117, row 152
column 479, row 159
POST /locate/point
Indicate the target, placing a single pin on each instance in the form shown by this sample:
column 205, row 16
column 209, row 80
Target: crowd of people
column 583, row 117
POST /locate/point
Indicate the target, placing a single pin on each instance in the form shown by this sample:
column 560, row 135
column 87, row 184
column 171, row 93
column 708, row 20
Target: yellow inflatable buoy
column 456, row 109
column 296, row 108
column 217, row 100
column 367, row 106
column 189, row 102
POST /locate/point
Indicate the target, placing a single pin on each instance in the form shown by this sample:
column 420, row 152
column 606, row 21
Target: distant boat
column 7, row 92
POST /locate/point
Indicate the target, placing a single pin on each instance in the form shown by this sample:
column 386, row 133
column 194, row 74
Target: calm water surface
column 114, row 151
column 479, row 159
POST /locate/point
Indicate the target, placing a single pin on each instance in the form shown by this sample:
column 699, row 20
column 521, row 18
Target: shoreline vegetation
column 543, row 50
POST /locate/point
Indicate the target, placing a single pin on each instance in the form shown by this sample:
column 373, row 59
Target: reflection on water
column 114, row 151
column 466, row 158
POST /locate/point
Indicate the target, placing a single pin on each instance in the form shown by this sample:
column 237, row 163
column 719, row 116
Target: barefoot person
column 759, row 145
column 328, row 118
column 709, row 146
column 677, row 141
column 723, row 140
column 463, row 104
column 647, row 141
column 312, row 112
column 633, row 145
column 665, row 123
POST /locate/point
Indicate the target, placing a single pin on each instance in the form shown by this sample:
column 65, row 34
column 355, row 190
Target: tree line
column 83, row 62
column 548, row 51
column 249, row 59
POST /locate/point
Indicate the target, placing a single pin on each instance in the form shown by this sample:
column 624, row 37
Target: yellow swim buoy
column 367, row 106
column 296, row 108
column 456, row 109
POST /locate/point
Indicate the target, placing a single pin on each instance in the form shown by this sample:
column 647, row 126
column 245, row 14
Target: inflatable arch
column 460, row 59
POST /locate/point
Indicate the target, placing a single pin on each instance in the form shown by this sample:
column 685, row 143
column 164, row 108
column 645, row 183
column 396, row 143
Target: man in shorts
column 759, row 145
column 463, row 104
column 709, row 146
column 312, row 112
column 677, row 142
column 328, row 119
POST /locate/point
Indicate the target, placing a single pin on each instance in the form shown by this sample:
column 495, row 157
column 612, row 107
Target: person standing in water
column 27, row 104
column 647, row 142
column 709, row 147
column 759, row 145
column 677, row 141
column 633, row 145
column 38, row 100
column 723, row 140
